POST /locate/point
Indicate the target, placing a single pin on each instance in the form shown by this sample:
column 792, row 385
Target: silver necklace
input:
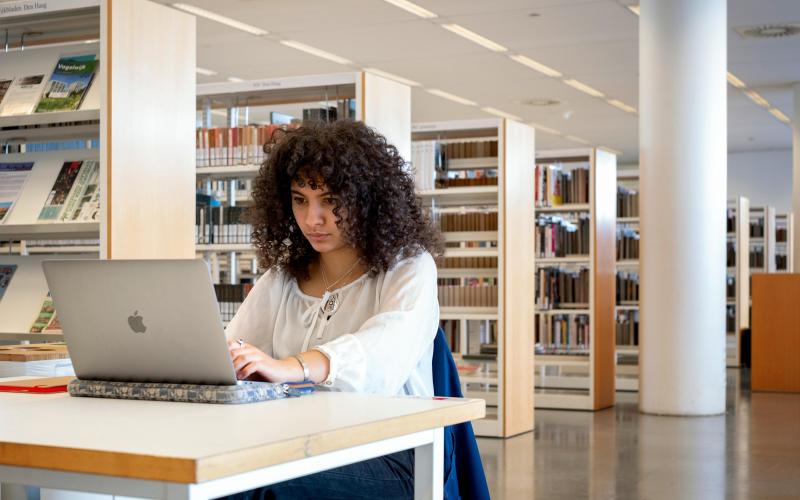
column 340, row 278
column 330, row 301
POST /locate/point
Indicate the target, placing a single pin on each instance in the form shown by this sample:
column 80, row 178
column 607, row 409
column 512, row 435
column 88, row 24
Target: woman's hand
column 250, row 363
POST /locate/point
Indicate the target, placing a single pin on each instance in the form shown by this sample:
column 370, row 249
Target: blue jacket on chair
column 463, row 470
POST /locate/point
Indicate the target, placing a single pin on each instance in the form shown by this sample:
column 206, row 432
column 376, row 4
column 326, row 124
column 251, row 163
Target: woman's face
column 313, row 205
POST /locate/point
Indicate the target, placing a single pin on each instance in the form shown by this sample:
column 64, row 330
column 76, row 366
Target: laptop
column 141, row 320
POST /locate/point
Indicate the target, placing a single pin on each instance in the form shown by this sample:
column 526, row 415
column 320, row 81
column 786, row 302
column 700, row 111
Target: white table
column 196, row 451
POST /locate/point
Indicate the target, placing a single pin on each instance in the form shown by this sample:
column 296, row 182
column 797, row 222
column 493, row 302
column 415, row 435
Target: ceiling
column 593, row 41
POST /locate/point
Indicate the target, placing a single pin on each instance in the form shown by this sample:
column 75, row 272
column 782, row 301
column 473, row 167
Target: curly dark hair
column 383, row 218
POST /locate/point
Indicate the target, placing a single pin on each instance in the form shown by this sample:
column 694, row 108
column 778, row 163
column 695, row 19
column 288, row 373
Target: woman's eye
column 298, row 200
column 331, row 201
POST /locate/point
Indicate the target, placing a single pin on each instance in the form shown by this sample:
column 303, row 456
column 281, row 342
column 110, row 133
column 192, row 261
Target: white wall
column 765, row 177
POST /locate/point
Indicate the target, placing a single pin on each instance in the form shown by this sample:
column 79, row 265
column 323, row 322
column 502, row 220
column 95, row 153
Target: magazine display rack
column 476, row 176
column 131, row 118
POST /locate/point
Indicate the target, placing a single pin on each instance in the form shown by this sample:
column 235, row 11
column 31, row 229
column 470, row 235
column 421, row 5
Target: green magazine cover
column 68, row 84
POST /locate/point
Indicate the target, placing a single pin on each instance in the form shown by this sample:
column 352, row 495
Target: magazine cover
column 22, row 95
column 60, row 191
column 4, row 84
column 6, row 273
column 45, row 316
column 84, row 191
column 68, row 84
column 12, row 181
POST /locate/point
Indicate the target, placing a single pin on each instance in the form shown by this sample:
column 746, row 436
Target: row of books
column 757, row 257
column 230, row 297
column 74, row 196
column 222, row 225
column 62, row 243
column 64, row 90
column 781, row 262
column 627, row 244
column 731, row 221
column 781, row 235
column 558, row 288
column 757, row 228
column 480, row 336
column 555, row 186
column 464, row 181
column 627, row 328
column 558, row 237
column 468, row 149
column 44, row 147
column 730, row 319
column 627, row 287
column 232, row 146
column 470, row 221
column 627, row 202
column 730, row 287
column 730, row 254
column 468, row 296
column 562, row 334
column 467, row 262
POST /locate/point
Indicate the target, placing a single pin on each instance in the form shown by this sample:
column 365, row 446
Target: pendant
column 330, row 302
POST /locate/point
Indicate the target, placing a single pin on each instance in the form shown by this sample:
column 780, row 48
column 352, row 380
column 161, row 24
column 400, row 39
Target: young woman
column 349, row 298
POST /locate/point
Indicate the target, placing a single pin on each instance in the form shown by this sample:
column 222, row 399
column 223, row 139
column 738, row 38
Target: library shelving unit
column 784, row 245
column 235, row 119
column 762, row 239
column 575, row 344
column 627, row 305
column 138, row 110
column 480, row 192
column 737, row 308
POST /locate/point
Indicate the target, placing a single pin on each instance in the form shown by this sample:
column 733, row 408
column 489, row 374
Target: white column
column 683, row 172
column 796, row 177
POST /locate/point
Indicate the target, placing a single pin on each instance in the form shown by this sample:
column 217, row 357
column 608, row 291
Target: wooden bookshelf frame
column 514, row 366
column 597, row 390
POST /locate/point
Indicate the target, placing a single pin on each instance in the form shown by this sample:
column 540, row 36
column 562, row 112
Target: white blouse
column 379, row 339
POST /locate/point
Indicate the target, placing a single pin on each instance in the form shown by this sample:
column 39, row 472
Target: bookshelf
column 762, row 239
column 134, row 118
column 784, row 245
column 737, row 308
column 575, row 213
column 476, row 177
column 235, row 119
column 627, row 304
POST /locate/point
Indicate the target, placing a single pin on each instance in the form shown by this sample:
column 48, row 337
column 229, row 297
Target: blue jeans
column 390, row 477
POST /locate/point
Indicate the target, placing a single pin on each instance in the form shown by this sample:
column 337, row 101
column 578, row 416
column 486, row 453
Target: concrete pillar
column 683, row 178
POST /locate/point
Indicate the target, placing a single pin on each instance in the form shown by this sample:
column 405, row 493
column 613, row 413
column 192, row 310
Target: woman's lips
column 317, row 237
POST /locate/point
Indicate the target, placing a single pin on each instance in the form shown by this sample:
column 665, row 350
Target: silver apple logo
column 136, row 323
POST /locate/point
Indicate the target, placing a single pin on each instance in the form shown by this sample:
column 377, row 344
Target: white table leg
column 429, row 468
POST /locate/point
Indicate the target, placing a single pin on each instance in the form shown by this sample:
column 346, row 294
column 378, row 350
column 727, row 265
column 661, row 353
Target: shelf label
column 29, row 7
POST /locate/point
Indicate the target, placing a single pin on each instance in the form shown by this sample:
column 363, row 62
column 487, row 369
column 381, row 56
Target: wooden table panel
column 776, row 333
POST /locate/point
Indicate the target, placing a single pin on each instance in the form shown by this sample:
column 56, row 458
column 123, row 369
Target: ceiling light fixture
column 501, row 114
column 390, row 76
column 735, row 81
column 412, row 8
column 779, row 115
column 212, row 16
column 451, row 97
column 584, row 88
column 474, row 37
column 235, row 79
column 205, row 72
column 541, row 68
column 547, row 130
column 316, row 52
column 621, row 105
column 577, row 139
column 634, row 8
column 756, row 97
column 612, row 150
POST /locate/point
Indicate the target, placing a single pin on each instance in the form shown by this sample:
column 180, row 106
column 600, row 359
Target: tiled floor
column 752, row 452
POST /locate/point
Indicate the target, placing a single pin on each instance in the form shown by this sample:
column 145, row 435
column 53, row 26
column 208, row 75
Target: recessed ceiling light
column 316, row 52
column 621, row 105
column 584, row 88
column 390, row 76
column 548, row 130
column 235, row 79
column 206, row 72
column 735, row 81
column 538, row 102
column 213, row 16
column 577, row 139
column 756, row 97
column 452, row 97
column 634, row 9
column 779, row 115
column 474, row 37
column 412, row 8
column 541, row 68
column 501, row 114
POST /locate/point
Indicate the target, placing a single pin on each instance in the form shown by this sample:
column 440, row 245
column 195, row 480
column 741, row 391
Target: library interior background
column 615, row 183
